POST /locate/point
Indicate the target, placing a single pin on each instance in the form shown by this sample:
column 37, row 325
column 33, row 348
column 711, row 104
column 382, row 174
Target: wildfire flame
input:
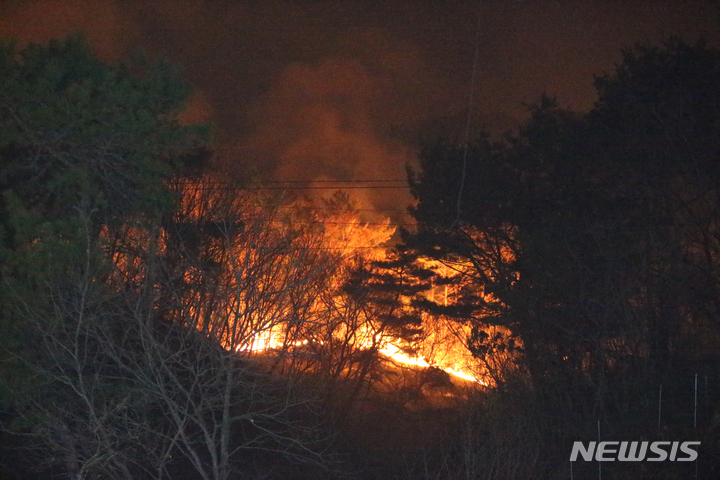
column 275, row 340
column 393, row 352
column 261, row 279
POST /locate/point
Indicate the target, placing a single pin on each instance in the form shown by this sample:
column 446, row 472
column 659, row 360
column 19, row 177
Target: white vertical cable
column 469, row 115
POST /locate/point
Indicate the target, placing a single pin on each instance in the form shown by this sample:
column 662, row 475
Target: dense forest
column 163, row 319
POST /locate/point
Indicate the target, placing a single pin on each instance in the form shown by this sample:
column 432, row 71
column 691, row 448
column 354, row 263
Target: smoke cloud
column 348, row 89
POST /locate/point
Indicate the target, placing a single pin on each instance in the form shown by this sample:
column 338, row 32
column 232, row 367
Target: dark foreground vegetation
column 582, row 252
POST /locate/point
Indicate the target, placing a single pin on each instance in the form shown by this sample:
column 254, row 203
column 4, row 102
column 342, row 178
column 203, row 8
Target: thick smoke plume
column 348, row 89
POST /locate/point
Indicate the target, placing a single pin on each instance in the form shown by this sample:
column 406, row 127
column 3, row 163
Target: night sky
column 348, row 89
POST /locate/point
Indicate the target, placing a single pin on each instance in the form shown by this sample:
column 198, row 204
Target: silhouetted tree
column 592, row 238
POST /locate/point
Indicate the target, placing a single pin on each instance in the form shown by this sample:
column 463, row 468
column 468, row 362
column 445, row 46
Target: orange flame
column 281, row 249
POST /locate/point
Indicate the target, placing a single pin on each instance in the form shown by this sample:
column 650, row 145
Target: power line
column 264, row 186
column 469, row 116
column 366, row 247
column 359, row 247
column 372, row 183
column 357, row 224
column 348, row 210
column 206, row 181
column 336, row 181
column 353, row 187
column 342, row 209
column 361, row 224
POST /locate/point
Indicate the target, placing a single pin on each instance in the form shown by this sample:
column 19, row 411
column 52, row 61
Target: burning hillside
column 307, row 280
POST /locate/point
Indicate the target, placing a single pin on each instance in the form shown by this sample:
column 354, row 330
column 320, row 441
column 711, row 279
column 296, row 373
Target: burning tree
column 610, row 222
column 291, row 280
column 121, row 363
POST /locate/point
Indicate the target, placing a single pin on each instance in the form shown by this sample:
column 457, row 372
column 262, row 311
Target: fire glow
column 395, row 354
column 267, row 341
column 280, row 287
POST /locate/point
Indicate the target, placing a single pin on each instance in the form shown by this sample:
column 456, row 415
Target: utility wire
column 335, row 181
column 352, row 187
column 274, row 182
column 348, row 210
column 366, row 187
column 297, row 185
column 360, row 224
column 469, row 116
